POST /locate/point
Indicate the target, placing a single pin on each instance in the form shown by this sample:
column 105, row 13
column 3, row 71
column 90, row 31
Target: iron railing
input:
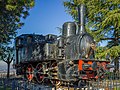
column 111, row 81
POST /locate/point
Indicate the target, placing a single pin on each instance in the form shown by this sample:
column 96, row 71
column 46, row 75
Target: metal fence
column 111, row 81
column 20, row 84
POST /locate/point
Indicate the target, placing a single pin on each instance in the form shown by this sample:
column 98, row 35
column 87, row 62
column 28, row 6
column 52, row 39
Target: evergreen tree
column 103, row 22
column 11, row 13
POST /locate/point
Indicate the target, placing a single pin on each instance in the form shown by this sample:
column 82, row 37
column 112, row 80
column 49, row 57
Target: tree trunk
column 8, row 70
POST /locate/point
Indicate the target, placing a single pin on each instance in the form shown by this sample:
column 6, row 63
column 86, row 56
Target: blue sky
column 45, row 17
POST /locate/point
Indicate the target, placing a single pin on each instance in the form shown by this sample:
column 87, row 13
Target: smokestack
column 81, row 19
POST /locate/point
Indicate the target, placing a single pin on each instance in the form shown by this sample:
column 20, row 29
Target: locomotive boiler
column 65, row 58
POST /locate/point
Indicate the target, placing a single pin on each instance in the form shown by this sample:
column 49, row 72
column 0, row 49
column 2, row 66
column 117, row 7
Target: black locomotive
column 67, row 58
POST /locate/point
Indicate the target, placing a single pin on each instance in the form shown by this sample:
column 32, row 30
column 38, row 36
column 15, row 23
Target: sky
column 44, row 19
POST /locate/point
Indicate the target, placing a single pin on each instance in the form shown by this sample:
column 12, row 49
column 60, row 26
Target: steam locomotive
column 69, row 57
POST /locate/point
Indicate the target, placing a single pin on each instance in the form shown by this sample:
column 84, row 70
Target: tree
column 8, row 58
column 11, row 13
column 103, row 22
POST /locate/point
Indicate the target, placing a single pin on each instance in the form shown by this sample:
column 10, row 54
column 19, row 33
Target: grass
column 2, row 88
column 118, row 88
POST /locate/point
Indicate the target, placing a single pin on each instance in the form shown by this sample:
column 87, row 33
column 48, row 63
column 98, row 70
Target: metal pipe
column 81, row 19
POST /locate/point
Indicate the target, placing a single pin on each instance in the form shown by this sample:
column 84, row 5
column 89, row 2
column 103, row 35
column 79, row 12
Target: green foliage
column 113, row 52
column 102, row 22
column 8, row 51
column 11, row 13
